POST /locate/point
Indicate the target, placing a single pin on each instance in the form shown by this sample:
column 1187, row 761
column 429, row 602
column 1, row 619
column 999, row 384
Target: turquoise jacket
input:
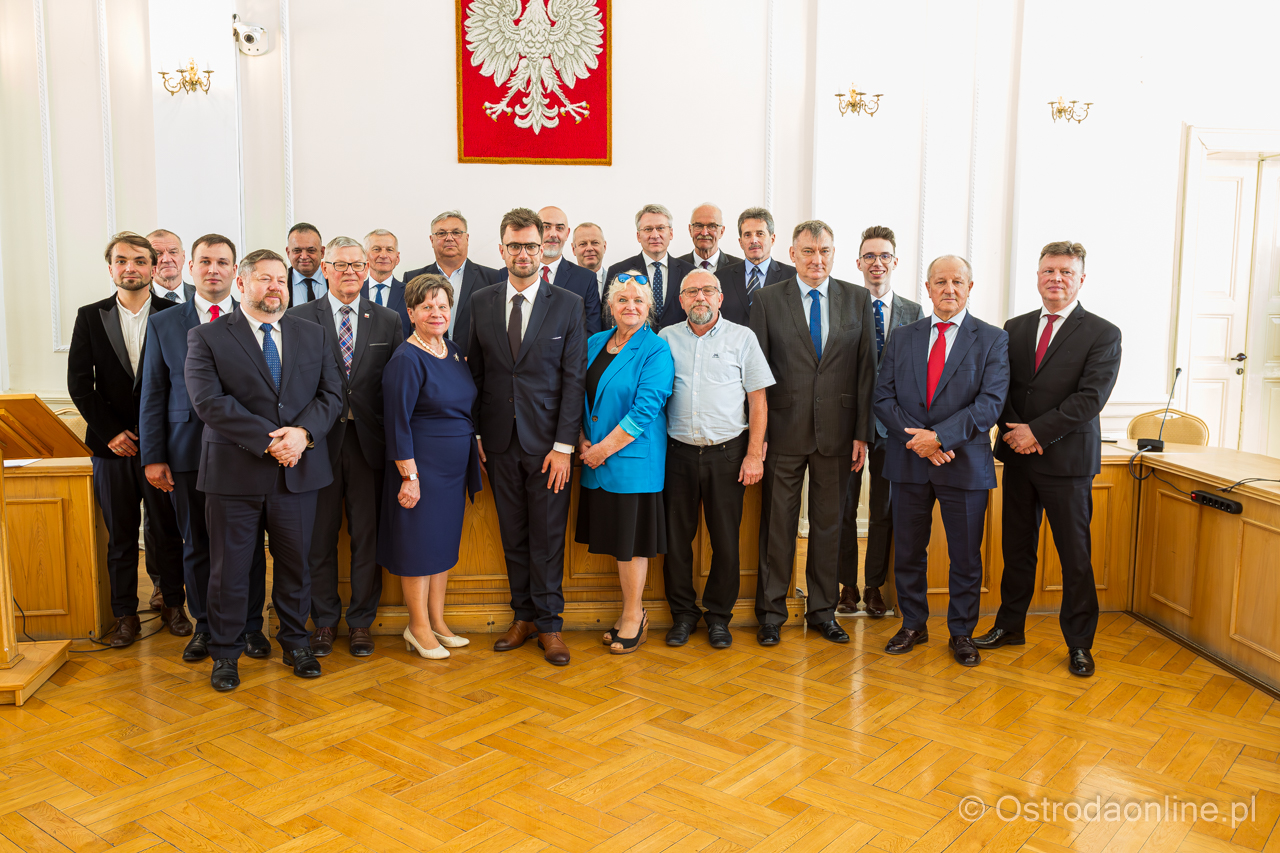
column 632, row 394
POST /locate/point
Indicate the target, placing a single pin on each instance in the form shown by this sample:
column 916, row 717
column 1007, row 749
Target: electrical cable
column 1152, row 473
column 1248, row 480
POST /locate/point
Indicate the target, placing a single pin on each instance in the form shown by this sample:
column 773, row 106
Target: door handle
column 1239, row 357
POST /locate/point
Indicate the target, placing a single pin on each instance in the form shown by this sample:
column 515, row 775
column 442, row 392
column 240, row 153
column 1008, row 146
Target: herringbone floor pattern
column 807, row 746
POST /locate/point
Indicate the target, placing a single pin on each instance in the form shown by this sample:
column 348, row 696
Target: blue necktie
column 377, row 297
column 879, row 327
column 754, row 284
column 657, row 290
column 815, row 321
column 271, row 354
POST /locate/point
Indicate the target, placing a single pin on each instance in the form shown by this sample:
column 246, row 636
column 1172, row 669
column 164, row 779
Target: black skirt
column 622, row 526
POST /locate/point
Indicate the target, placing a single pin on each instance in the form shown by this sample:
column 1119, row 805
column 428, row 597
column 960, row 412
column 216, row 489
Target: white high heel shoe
column 451, row 642
column 411, row 643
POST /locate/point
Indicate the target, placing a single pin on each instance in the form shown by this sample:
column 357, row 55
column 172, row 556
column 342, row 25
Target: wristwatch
column 409, row 478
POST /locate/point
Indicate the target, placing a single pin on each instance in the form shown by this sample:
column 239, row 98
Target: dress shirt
column 298, row 287
column 714, row 373
column 256, row 325
column 455, row 280
column 552, row 269
column 1062, row 316
column 225, row 307
column 748, row 265
column 163, row 292
column 665, row 263
column 526, row 308
column 887, row 310
column 336, row 307
column 374, row 284
column 806, row 301
column 952, row 333
column 714, row 261
column 134, row 327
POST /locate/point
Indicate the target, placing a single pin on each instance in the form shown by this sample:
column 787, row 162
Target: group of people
column 327, row 385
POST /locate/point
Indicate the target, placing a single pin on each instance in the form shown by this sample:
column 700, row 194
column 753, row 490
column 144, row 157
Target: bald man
column 560, row 271
column 706, row 227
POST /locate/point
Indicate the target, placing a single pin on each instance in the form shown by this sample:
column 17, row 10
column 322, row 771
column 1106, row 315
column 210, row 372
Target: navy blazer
column 966, row 404
column 904, row 313
column 672, row 313
column 395, row 301
column 233, row 393
column 582, row 282
column 475, row 277
column 169, row 429
column 736, row 307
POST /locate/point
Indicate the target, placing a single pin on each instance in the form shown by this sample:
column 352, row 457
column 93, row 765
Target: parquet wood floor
column 806, row 746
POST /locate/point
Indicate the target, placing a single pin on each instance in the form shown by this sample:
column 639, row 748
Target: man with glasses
column 382, row 248
column 706, row 227
column 890, row 310
column 742, row 281
column 528, row 356
column 714, row 451
column 665, row 273
column 558, row 270
column 449, row 241
column 360, row 336
column 304, row 251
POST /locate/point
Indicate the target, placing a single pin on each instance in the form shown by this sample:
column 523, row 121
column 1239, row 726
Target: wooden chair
column 71, row 416
column 1179, row 427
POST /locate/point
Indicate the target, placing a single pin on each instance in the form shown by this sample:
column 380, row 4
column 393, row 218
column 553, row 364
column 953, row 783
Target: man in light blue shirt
column 305, row 250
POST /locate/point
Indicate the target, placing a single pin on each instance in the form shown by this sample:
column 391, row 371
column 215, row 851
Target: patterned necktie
column 937, row 361
column 879, row 327
column 271, row 354
column 513, row 325
column 171, row 296
column 815, row 321
column 658, row 290
column 546, row 273
column 214, row 312
column 346, row 338
column 1045, row 337
column 753, row 284
column 377, row 297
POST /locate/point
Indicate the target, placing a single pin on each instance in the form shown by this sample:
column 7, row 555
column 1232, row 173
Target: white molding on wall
column 242, row 242
column 973, row 151
column 771, row 34
column 921, row 291
column 104, row 94
column 46, row 152
column 287, row 84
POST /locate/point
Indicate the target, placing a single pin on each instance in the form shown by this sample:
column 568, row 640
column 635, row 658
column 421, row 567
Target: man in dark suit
column 706, row 227
column 943, row 382
column 268, row 393
column 558, row 270
column 1063, row 363
column 889, row 310
column 740, row 281
column 589, row 247
column 104, row 378
column 382, row 248
column 170, row 260
column 169, row 431
column 654, row 232
column 361, row 337
column 817, row 336
column 304, row 250
column 450, row 242
column 528, row 356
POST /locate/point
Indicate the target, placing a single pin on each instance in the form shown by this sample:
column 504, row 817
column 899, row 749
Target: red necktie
column 1044, row 338
column 214, row 312
column 937, row 361
column 546, row 273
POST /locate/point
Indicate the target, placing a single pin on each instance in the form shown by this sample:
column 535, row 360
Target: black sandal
column 610, row 636
column 630, row 644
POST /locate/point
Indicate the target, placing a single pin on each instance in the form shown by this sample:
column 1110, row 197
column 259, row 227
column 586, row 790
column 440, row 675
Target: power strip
column 1217, row 502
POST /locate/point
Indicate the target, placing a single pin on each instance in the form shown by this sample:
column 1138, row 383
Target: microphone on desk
column 1155, row 444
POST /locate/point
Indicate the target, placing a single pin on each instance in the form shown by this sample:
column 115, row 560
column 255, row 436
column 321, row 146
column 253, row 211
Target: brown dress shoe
column 848, row 600
column 176, row 619
column 322, row 642
column 124, row 633
column 874, row 602
column 515, row 636
column 157, row 599
column 361, row 642
column 556, row 651
column 906, row 640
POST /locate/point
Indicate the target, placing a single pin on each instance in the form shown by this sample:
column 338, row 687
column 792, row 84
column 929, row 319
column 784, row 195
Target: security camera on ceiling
column 250, row 38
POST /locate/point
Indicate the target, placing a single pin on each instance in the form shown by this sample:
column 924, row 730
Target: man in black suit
column 304, row 250
column 588, row 250
column 528, row 357
column 104, row 378
column 450, row 242
column 706, row 227
column 361, row 337
column 558, row 270
column 889, row 310
column 817, row 335
column 666, row 273
column 170, row 259
column 741, row 281
column 268, row 393
column 169, row 431
column 1063, row 363
column 382, row 249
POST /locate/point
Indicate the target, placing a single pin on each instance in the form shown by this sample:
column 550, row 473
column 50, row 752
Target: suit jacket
column 541, row 390
column 378, row 334
column 233, row 393
column 817, row 406
column 100, row 380
column 672, row 313
column 169, row 429
column 582, row 282
column 733, row 282
column 904, row 313
column 1061, row 401
column 966, row 403
column 188, row 291
column 474, row 278
column 726, row 260
column 395, row 302
column 632, row 393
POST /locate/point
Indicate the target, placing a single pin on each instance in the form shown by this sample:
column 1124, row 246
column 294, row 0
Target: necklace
column 444, row 350
column 614, row 347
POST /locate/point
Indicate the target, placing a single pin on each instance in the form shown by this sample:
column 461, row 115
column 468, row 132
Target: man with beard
column 167, row 282
column 741, row 282
column 558, row 270
column 706, row 227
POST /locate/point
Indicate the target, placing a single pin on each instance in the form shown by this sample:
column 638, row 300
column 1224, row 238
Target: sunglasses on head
column 623, row 278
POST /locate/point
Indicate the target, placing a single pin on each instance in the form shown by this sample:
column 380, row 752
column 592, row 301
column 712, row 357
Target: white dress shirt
column 526, row 308
column 225, row 307
column 374, row 284
column 665, row 263
column 163, row 292
column 336, row 307
column 952, row 334
column 134, row 327
column 600, row 281
column 256, row 325
column 713, row 261
column 806, row 301
column 455, row 280
column 1057, row 324
column 887, row 310
column 552, row 269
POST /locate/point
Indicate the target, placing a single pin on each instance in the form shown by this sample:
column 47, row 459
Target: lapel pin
column 366, row 316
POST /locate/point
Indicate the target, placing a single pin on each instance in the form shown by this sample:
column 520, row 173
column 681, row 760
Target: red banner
column 534, row 82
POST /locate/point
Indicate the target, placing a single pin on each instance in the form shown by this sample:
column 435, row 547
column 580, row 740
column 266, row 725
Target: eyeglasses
column 623, row 278
column 705, row 226
column 343, row 266
column 883, row 256
column 708, row 291
column 513, row 249
column 455, row 234
column 650, row 229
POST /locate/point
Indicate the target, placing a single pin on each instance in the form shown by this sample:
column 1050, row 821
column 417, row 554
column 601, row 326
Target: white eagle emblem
column 532, row 55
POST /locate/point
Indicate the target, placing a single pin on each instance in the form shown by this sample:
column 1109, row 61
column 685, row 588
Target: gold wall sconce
column 1068, row 110
column 186, row 79
column 858, row 102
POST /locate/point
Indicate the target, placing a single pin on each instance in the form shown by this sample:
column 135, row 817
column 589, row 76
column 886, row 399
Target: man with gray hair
column 706, row 227
column 741, row 282
column 664, row 272
column 360, row 336
column 170, row 259
column 382, row 250
column 450, row 242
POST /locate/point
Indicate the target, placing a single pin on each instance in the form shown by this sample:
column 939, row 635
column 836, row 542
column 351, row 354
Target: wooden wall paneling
column 1255, row 590
column 1172, row 558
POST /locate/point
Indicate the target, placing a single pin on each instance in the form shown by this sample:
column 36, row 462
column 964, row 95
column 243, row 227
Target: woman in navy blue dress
column 433, row 464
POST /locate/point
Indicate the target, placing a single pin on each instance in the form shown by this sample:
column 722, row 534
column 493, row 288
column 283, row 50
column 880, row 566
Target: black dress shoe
column 997, row 637
column 1080, row 662
column 768, row 635
column 256, row 644
column 304, row 663
column 830, row 631
column 964, row 651
column 718, row 635
column 360, row 643
column 905, row 640
column 197, row 647
column 678, row 634
column 226, row 675
column 874, row 602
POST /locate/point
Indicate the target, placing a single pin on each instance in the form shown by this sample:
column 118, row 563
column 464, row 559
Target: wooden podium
column 28, row 430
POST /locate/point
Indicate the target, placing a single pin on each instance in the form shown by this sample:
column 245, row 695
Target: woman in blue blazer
column 624, row 450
